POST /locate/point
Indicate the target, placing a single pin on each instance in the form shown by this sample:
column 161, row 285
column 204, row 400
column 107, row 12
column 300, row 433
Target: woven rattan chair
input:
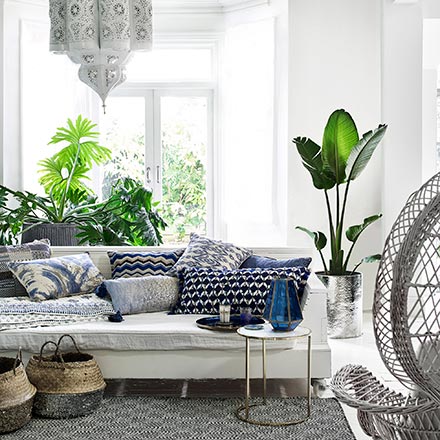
column 406, row 320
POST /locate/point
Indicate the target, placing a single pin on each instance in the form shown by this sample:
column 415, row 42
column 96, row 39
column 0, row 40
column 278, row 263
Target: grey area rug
column 138, row 418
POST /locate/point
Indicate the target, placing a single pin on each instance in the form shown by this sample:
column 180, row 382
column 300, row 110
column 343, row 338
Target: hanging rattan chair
column 406, row 320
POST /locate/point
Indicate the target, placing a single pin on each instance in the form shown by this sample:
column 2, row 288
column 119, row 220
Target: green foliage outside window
column 183, row 186
column 183, row 205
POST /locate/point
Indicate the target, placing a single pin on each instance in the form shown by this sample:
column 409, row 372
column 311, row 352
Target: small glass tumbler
column 225, row 313
column 245, row 315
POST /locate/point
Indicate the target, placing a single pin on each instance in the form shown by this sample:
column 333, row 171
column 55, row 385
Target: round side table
column 268, row 334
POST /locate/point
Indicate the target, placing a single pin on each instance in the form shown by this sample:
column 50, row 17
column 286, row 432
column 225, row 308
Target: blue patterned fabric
column 214, row 254
column 23, row 313
column 202, row 290
column 140, row 264
column 9, row 286
column 57, row 277
column 272, row 263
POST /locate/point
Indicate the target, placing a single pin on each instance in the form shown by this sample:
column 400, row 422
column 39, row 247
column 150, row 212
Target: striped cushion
column 9, row 285
column 141, row 264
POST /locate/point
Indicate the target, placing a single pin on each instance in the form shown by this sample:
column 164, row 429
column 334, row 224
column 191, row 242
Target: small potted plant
column 333, row 167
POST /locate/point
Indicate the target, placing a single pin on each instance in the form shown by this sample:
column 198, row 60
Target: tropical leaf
column 318, row 237
column 311, row 157
column 361, row 154
column 64, row 173
column 340, row 136
column 353, row 232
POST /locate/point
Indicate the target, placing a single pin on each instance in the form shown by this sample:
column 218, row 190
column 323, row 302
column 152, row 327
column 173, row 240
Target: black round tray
column 213, row 323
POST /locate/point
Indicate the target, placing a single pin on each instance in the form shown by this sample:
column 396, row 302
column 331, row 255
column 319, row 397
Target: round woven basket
column 68, row 384
column 16, row 395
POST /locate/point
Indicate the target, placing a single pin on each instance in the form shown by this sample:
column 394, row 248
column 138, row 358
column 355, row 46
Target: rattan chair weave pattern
column 406, row 321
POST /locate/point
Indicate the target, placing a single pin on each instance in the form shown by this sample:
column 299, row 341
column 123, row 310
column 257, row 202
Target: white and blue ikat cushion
column 202, row 290
column 57, row 277
column 214, row 254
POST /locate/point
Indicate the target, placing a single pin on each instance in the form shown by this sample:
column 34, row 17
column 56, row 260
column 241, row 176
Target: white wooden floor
column 361, row 351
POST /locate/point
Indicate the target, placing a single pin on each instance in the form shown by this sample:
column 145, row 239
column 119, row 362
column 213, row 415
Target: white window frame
column 152, row 92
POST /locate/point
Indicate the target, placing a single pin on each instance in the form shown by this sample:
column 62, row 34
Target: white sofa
column 158, row 345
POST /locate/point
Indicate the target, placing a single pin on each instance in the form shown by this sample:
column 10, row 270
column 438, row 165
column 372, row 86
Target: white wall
column 334, row 62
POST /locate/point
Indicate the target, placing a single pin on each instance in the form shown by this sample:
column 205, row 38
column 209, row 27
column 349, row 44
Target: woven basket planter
column 68, row 384
column 16, row 395
column 59, row 234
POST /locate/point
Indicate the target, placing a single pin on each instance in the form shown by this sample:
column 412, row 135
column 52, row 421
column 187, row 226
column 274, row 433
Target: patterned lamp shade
column 282, row 306
column 100, row 36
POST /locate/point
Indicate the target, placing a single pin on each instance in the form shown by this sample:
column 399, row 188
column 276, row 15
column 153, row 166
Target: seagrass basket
column 68, row 384
column 16, row 395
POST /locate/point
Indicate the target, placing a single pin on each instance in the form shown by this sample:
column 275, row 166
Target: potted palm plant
column 333, row 167
column 70, row 213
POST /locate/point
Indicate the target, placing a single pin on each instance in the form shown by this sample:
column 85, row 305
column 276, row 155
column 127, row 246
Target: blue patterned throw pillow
column 57, row 277
column 9, row 286
column 202, row 290
column 214, row 254
column 272, row 263
column 141, row 264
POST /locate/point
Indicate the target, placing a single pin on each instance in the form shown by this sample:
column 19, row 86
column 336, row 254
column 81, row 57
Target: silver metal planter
column 344, row 304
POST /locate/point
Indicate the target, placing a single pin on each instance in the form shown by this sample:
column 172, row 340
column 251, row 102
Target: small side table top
column 268, row 333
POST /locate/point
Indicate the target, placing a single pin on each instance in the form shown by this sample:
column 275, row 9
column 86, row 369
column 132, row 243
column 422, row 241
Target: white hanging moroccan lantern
column 100, row 35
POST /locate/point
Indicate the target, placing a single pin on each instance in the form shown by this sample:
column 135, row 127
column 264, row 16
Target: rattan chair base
column 67, row 406
column 15, row 417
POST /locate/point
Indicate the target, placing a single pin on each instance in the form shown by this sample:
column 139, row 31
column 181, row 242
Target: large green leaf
column 311, row 157
column 361, row 154
column 340, row 136
column 353, row 232
column 75, row 160
column 318, row 237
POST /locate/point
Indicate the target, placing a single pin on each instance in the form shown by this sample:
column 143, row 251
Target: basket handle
column 59, row 342
column 18, row 357
column 42, row 348
column 56, row 347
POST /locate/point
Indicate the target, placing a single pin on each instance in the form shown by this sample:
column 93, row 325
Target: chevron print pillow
column 141, row 264
column 202, row 289
column 214, row 254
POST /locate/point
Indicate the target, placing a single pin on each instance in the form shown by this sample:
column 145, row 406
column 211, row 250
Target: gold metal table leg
column 263, row 349
column 309, row 375
column 245, row 407
column 248, row 383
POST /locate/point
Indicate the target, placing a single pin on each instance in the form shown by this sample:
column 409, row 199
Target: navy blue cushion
column 202, row 290
column 272, row 263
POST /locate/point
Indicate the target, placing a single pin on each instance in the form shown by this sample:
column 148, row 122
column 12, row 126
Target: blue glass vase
column 282, row 308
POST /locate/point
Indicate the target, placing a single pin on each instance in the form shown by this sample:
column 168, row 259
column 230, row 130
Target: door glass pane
column 184, row 137
column 123, row 131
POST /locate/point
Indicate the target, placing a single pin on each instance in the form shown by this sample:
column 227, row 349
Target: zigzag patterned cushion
column 214, row 254
column 141, row 264
column 202, row 290
column 9, row 285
